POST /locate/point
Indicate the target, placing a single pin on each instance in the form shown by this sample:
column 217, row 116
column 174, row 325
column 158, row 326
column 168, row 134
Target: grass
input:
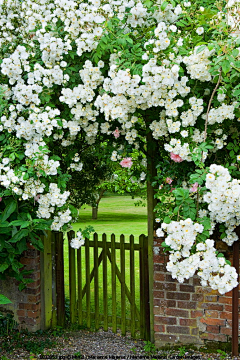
column 118, row 215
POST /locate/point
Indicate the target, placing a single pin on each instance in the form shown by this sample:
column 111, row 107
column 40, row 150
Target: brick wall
column 26, row 304
column 187, row 313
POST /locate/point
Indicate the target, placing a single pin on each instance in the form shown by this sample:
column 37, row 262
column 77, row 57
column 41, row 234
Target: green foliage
column 4, row 300
column 7, row 324
column 149, row 348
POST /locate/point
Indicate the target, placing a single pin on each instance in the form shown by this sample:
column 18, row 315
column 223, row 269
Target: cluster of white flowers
column 78, row 241
column 212, row 270
column 224, row 200
column 218, row 115
column 61, row 219
column 198, row 64
column 176, row 147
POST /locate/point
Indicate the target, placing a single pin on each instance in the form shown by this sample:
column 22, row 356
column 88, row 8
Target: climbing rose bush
column 77, row 74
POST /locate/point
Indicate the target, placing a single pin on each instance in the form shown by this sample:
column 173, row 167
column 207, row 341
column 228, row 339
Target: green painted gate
column 109, row 284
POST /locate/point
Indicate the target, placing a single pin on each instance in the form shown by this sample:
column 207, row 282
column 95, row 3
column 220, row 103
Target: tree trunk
column 94, row 212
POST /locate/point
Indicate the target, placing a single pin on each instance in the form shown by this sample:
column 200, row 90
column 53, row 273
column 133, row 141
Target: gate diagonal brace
column 118, row 273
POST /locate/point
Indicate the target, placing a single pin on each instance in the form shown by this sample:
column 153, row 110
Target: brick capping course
column 188, row 313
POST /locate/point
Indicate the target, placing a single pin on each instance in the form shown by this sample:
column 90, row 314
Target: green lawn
column 118, row 215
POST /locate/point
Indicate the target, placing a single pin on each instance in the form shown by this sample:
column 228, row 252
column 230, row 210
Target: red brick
column 160, row 310
column 228, row 294
column 188, row 322
column 210, row 321
column 226, row 331
column 228, row 308
column 177, row 313
column 158, row 285
column 196, row 313
column 197, row 297
column 159, row 328
column 165, row 320
column 177, row 296
column 213, row 329
column 187, row 339
column 156, row 302
column 159, row 277
column 186, row 304
column 21, row 312
column 158, row 294
column 195, row 331
column 28, row 321
column 187, row 288
column 226, row 315
column 34, row 284
column 34, row 298
column 214, row 337
column 33, row 314
column 178, row 329
column 170, row 286
column 171, row 303
column 212, row 298
column 165, row 338
column 212, row 313
column 212, row 306
column 157, row 267
column 158, row 259
column 225, row 300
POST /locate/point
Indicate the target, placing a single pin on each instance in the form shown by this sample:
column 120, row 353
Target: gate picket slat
column 105, row 296
column 114, row 299
column 80, row 296
column 123, row 297
column 72, row 277
column 141, row 277
column 96, row 285
column 88, row 299
column 132, row 285
column 127, row 291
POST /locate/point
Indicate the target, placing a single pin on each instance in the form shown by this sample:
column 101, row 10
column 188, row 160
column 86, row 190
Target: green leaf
column 235, row 52
column 200, row 49
column 164, row 5
column 3, row 267
column 167, row 220
column 2, row 244
column 220, row 255
column 226, row 66
column 10, row 208
column 37, row 242
column 4, row 300
column 22, row 245
column 19, row 235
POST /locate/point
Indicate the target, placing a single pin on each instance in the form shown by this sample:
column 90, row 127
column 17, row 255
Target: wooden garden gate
column 109, row 284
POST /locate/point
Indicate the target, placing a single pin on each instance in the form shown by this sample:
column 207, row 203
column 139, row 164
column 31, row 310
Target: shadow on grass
column 121, row 217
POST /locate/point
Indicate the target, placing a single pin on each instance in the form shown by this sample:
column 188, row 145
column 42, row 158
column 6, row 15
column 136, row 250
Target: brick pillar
column 26, row 305
column 187, row 313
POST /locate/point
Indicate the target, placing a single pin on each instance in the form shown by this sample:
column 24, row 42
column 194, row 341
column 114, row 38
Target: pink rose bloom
column 126, row 162
column 176, row 158
column 0, row 199
column 194, row 187
column 169, row 180
column 116, row 133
